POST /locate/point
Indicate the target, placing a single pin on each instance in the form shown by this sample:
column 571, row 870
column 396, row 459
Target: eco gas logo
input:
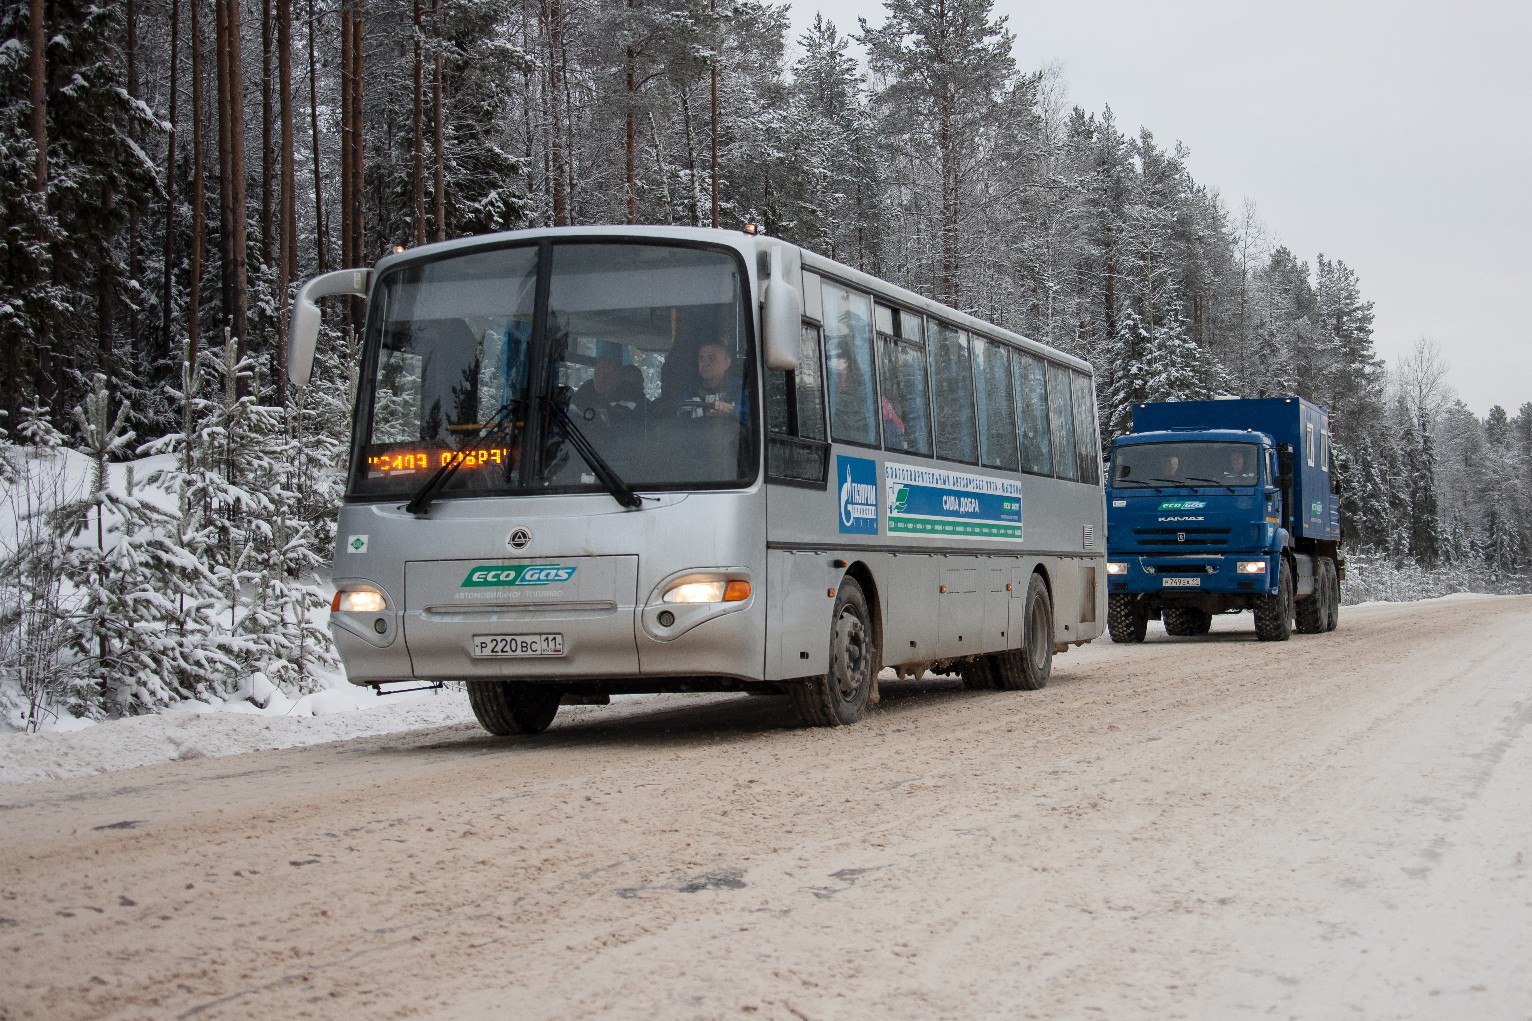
column 520, row 575
column 1166, row 505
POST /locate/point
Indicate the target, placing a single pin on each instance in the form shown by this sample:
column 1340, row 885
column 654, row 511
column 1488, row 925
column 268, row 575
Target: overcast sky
column 1395, row 136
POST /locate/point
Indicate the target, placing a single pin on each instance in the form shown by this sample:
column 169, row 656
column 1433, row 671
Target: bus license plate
column 498, row 646
column 1183, row 582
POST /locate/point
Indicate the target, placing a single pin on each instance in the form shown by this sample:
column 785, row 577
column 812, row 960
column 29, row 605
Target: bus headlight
column 707, row 592
column 1116, row 567
column 361, row 599
column 1252, row 567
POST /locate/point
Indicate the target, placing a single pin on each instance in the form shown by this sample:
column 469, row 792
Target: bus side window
column 906, row 401
column 1089, row 446
column 848, row 362
column 1061, row 420
column 796, row 451
column 952, row 379
column 997, row 411
column 1032, row 414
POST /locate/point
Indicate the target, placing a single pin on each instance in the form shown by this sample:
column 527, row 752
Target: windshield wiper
column 620, row 490
column 1211, row 482
column 421, row 501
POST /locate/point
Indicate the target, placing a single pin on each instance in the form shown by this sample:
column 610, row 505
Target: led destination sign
column 407, row 462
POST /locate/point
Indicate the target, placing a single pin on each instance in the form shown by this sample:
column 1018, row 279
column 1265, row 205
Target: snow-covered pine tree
column 1162, row 364
column 98, row 622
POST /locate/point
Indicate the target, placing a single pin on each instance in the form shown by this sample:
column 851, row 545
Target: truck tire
column 1333, row 617
column 1126, row 620
column 1029, row 667
column 504, row 708
column 1311, row 611
column 1187, row 621
column 1274, row 614
column 838, row 697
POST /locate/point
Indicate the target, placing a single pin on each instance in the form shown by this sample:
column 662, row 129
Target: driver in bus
column 719, row 390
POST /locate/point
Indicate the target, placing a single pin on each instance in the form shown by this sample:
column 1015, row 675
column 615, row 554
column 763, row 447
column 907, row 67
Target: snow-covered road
column 1340, row 825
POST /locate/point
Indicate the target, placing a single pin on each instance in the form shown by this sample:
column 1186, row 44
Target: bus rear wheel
column 504, row 708
column 838, row 697
column 1332, row 618
column 1029, row 667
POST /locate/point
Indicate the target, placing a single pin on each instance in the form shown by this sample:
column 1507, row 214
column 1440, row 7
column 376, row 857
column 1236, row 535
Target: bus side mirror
column 782, row 310
column 303, row 334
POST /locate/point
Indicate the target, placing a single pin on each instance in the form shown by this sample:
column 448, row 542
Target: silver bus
column 593, row 461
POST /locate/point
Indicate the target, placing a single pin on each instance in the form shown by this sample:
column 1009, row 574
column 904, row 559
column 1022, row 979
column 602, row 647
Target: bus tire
column 1126, row 620
column 1333, row 573
column 1029, row 667
column 978, row 673
column 1274, row 614
column 838, row 697
column 1187, row 621
column 504, row 708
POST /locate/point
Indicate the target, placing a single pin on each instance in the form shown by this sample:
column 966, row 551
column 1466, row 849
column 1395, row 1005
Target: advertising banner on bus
column 934, row 501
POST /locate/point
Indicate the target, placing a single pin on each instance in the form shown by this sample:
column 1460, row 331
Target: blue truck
column 1223, row 506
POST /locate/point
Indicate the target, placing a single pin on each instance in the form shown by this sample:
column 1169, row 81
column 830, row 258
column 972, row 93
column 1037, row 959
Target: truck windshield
column 645, row 348
column 1191, row 465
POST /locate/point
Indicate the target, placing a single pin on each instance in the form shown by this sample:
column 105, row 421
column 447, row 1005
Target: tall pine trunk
column 198, row 198
column 319, row 220
column 168, row 298
column 417, row 134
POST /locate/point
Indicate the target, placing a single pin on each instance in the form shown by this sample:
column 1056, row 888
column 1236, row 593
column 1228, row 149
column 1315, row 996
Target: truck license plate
column 1183, row 582
column 513, row 646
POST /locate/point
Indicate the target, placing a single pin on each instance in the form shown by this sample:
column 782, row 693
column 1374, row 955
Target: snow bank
column 190, row 730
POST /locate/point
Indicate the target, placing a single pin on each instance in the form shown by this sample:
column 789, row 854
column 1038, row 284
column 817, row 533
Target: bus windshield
column 1190, row 465
column 644, row 349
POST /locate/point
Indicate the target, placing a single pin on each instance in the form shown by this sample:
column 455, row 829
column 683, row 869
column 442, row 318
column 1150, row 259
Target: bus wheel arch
column 862, row 574
column 841, row 694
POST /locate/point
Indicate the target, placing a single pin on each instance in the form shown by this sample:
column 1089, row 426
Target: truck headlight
column 1252, row 567
column 1116, row 567
column 720, row 591
column 361, row 599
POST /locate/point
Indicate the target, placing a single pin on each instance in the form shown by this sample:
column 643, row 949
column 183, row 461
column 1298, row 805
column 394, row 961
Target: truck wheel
column 1274, row 614
column 838, row 697
column 1187, row 621
column 1333, row 618
column 1311, row 611
column 1126, row 620
column 504, row 708
column 1029, row 667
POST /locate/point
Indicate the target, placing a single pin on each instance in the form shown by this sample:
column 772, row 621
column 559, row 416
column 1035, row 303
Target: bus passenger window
column 1032, row 414
column 848, row 360
column 904, row 407
column 795, row 400
column 1086, row 437
column 1061, row 418
column 997, row 412
column 952, row 379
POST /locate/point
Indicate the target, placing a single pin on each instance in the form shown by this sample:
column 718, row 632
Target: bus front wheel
column 838, row 697
column 504, row 708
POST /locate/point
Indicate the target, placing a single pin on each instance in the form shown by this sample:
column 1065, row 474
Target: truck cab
column 1221, row 507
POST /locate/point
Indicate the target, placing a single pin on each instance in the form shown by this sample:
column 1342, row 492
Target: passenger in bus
column 719, row 391
column 850, row 396
column 613, row 393
column 893, row 426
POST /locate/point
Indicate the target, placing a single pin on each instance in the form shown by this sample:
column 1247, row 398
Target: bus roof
column 746, row 244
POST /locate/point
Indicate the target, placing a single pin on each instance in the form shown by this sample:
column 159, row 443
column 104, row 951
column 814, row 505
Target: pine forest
column 172, row 167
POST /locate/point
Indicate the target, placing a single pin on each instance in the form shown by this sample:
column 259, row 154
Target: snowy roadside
column 195, row 730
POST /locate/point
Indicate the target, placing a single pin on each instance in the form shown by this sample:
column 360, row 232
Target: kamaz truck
column 1223, row 506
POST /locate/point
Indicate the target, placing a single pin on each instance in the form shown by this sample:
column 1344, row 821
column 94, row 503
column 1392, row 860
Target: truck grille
column 1181, row 538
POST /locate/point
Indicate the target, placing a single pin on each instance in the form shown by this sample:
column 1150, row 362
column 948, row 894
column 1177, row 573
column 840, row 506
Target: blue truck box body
column 1193, row 528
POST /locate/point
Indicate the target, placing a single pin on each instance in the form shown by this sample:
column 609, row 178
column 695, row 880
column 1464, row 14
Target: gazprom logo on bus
column 492, row 576
column 858, row 494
